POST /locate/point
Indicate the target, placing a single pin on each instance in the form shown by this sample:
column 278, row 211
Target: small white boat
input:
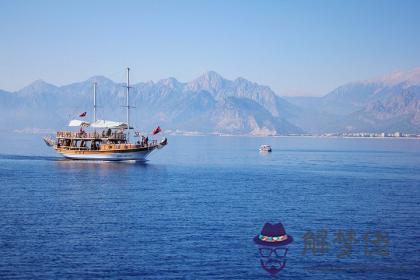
column 265, row 148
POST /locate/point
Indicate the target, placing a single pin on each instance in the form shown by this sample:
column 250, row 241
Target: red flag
column 82, row 114
column 156, row 130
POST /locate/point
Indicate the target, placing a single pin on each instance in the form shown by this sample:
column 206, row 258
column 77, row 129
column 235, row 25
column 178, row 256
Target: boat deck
column 112, row 147
column 91, row 135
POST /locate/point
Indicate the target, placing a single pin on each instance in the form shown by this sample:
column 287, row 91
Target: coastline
column 44, row 132
column 286, row 136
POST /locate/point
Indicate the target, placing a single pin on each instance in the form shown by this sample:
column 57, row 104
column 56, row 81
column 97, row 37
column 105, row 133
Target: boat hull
column 106, row 156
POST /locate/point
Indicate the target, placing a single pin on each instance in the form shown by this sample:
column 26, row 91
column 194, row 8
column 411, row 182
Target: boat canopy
column 78, row 123
column 109, row 124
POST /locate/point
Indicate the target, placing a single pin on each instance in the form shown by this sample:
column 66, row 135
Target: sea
column 351, row 207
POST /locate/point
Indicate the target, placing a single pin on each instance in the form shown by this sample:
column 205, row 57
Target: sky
column 295, row 47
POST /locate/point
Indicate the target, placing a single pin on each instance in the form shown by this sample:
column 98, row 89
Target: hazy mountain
column 213, row 104
column 208, row 104
column 356, row 95
column 388, row 103
column 398, row 112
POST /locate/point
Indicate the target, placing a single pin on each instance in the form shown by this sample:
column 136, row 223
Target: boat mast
column 128, row 103
column 94, row 102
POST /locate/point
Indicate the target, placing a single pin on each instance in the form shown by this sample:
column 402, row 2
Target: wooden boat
column 109, row 140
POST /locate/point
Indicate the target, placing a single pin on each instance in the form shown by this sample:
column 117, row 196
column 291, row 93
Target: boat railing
column 109, row 146
column 91, row 135
column 153, row 143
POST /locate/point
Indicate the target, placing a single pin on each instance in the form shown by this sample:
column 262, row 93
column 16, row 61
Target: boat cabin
column 111, row 136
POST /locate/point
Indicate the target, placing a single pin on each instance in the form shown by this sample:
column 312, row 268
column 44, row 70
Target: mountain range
column 387, row 104
column 213, row 104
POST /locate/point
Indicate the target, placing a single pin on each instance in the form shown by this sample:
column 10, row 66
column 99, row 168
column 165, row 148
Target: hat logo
column 272, row 249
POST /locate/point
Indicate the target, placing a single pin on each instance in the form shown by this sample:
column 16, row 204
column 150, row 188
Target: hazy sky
column 296, row 47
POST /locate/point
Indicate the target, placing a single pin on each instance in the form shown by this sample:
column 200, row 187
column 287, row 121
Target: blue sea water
column 351, row 205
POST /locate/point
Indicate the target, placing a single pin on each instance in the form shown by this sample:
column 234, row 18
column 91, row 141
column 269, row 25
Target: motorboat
column 265, row 148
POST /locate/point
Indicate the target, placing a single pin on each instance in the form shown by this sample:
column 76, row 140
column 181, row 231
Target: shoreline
column 197, row 134
column 289, row 136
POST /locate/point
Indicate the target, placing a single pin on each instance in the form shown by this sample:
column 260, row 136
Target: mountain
column 384, row 104
column 213, row 104
column 398, row 112
column 356, row 95
column 208, row 104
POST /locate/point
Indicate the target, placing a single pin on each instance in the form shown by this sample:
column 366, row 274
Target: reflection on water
column 24, row 157
column 110, row 165
column 116, row 172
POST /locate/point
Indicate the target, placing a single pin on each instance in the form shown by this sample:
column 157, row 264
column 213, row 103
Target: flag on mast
column 156, row 130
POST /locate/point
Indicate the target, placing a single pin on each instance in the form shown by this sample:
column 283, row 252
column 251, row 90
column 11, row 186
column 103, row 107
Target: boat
column 107, row 140
column 265, row 148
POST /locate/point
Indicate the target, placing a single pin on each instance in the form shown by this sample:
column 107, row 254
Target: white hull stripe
column 140, row 156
